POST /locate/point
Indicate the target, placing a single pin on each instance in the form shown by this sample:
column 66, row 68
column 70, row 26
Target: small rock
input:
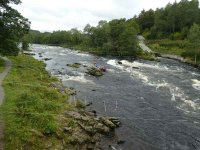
column 67, row 129
column 46, row 59
column 90, row 103
column 101, row 128
column 108, row 123
column 29, row 53
column 121, row 142
column 94, row 112
column 119, row 62
column 112, row 147
column 135, row 67
column 88, row 129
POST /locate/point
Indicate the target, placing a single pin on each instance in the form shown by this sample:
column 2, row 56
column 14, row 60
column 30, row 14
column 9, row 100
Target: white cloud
column 49, row 15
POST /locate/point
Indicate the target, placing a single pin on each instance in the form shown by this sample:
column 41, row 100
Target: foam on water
column 127, row 67
column 114, row 63
column 196, row 84
column 177, row 94
column 144, row 65
column 80, row 78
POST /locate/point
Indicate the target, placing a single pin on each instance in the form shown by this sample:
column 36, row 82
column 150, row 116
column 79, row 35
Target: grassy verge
column 176, row 47
column 2, row 65
column 31, row 105
column 169, row 46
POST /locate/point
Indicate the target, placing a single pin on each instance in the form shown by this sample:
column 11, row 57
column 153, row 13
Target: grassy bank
column 176, row 47
column 38, row 117
column 2, row 65
column 168, row 46
column 31, row 105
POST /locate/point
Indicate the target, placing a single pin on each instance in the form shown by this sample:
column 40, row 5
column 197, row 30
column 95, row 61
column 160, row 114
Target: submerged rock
column 75, row 65
column 121, row 142
column 46, row 59
column 29, row 53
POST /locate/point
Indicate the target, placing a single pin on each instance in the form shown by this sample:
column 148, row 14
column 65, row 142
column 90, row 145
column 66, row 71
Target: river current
column 158, row 103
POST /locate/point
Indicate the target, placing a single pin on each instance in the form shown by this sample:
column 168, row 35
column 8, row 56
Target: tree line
column 173, row 21
column 117, row 37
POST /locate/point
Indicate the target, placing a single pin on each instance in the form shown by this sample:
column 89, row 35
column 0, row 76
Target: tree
column 13, row 26
column 146, row 19
column 194, row 35
column 194, row 38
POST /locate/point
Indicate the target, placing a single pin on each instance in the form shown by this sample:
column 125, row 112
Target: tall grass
column 31, row 105
column 174, row 47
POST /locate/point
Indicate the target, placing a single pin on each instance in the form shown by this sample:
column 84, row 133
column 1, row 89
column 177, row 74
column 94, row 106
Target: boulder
column 108, row 123
column 74, row 65
column 94, row 72
column 101, row 128
column 88, row 129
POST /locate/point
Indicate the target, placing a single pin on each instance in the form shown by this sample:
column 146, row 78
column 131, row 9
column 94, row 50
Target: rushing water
column 157, row 102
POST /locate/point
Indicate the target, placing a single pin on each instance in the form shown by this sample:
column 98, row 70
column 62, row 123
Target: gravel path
column 142, row 44
column 2, row 76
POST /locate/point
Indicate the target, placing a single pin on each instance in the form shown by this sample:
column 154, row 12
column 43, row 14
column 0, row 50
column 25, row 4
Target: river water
column 158, row 103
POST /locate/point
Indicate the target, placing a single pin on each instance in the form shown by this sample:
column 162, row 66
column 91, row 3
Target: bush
column 192, row 55
column 175, row 36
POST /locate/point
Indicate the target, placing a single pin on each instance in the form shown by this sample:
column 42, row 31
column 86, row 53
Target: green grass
column 31, row 106
column 167, row 46
column 2, row 65
column 176, row 47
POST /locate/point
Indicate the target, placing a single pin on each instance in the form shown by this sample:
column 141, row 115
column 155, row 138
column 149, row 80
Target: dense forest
column 173, row 21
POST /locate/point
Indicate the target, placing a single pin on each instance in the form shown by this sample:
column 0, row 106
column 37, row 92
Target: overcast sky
column 49, row 15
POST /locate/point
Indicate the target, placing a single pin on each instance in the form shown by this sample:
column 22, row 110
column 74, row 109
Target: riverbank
column 36, row 109
column 175, row 50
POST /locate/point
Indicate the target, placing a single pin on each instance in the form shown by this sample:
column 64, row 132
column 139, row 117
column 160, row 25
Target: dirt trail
column 8, row 65
column 142, row 44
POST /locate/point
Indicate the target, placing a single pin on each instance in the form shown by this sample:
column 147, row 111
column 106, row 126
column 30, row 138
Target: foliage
column 166, row 46
column 25, row 42
column 172, row 21
column 13, row 26
column 193, row 53
column 117, row 37
column 2, row 65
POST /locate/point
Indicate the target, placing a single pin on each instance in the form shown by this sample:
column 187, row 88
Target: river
column 158, row 103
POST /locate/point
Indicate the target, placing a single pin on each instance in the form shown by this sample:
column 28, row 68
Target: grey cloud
column 48, row 15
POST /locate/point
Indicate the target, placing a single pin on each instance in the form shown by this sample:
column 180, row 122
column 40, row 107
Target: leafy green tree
column 194, row 35
column 170, row 21
column 146, row 19
column 194, row 39
column 13, row 26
